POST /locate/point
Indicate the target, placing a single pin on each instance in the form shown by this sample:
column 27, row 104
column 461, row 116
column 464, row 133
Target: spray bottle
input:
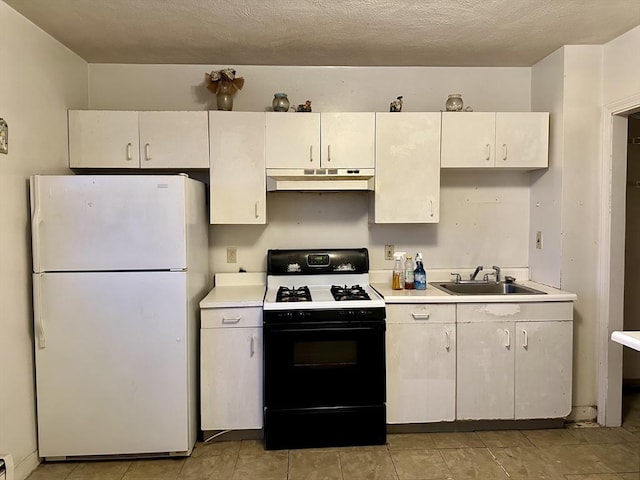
column 398, row 272
column 420, row 275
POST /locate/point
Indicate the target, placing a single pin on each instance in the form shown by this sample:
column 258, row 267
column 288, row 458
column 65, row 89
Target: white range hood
column 319, row 179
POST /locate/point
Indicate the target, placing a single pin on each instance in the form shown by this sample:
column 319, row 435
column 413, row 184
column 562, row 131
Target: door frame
column 611, row 264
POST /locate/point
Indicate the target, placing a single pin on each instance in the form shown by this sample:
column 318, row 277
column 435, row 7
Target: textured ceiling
column 328, row 32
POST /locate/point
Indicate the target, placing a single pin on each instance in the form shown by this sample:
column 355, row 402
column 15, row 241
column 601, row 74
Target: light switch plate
column 4, row 136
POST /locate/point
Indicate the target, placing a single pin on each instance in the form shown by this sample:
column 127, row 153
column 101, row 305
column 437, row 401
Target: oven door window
column 324, row 367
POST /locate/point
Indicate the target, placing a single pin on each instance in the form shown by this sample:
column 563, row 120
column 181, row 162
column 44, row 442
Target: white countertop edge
column 629, row 339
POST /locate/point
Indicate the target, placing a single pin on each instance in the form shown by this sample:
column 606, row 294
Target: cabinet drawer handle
column 231, row 319
column 525, row 339
column 129, row 157
column 420, row 316
column 328, row 153
column 251, row 347
column 147, row 152
column 431, row 205
column 311, row 153
column 447, row 341
column 507, row 338
column 504, row 152
column 256, row 209
column 488, row 152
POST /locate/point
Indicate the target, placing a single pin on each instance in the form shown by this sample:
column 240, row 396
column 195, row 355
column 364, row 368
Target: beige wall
column 479, row 210
column 565, row 203
column 39, row 80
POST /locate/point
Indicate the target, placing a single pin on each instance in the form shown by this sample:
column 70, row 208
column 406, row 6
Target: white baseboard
column 587, row 413
column 26, row 466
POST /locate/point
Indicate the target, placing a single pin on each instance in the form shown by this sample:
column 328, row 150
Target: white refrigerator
column 120, row 263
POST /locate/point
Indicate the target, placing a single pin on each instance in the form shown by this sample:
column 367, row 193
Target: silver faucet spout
column 475, row 273
column 497, row 269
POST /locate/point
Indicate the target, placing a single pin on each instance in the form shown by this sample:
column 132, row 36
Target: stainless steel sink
column 480, row 288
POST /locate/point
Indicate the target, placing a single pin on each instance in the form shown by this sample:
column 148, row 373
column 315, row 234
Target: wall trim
column 27, row 466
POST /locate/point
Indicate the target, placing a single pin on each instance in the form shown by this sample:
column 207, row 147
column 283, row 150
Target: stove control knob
column 299, row 315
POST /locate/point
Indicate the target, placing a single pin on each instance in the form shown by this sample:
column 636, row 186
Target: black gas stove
column 324, row 350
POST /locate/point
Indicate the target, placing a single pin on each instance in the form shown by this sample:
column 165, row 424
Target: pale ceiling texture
column 328, row 32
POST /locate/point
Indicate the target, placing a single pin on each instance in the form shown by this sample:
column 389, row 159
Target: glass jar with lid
column 454, row 103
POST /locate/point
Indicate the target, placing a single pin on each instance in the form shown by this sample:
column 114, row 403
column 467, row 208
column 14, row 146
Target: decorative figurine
column 396, row 105
column 306, row 107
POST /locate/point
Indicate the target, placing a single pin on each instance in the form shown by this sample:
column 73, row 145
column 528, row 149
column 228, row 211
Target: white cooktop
column 319, row 288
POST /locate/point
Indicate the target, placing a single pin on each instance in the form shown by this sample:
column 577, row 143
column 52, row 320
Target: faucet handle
column 458, row 277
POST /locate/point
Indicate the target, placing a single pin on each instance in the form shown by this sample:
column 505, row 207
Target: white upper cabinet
column 174, row 139
column 314, row 140
column 518, row 140
column 237, row 170
column 348, row 140
column 103, row 139
column 407, row 181
column 124, row 139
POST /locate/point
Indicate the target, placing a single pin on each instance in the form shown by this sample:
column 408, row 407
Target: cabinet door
column 543, row 369
column 407, row 181
column 468, row 139
column 292, row 140
column 231, row 378
column 485, row 370
column 348, row 140
column 103, row 139
column 522, row 140
column 174, row 140
column 237, row 171
column 421, row 370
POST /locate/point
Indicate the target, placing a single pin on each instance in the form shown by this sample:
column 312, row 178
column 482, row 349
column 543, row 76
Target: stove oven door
column 329, row 364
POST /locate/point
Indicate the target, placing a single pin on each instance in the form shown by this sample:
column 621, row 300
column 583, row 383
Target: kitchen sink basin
column 501, row 288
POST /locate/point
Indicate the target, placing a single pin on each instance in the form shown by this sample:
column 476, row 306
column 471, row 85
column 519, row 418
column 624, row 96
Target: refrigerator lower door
column 109, row 222
column 111, row 363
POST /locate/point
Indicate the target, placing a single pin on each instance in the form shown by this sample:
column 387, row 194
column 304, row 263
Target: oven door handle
column 328, row 330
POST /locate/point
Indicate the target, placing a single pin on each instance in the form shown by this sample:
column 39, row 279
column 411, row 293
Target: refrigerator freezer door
column 111, row 373
column 108, row 222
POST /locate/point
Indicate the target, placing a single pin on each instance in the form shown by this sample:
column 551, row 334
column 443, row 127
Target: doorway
column 631, row 313
column 613, row 226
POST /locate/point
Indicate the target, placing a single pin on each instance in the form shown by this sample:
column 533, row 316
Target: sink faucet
column 497, row 269
column 475, row 273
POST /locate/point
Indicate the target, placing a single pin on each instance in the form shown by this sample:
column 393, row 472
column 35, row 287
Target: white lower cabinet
column 421, row 363
column 231, row 369
column 514, row 360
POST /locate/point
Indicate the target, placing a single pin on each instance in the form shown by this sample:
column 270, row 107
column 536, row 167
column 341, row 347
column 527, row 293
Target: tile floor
column 578, row 452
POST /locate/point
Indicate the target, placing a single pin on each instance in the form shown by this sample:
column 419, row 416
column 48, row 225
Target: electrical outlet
column 232, row 255
column 388, row 252
column 539, row 240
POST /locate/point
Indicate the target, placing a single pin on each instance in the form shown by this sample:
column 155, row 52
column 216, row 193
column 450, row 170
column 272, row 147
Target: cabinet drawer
column 514, row 312
column 231, row 317
column 421, row 312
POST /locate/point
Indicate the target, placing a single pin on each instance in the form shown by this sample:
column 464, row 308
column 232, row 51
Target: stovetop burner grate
column 344, row 293
column 300, row 294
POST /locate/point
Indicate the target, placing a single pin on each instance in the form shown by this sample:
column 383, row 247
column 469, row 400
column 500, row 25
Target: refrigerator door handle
column 36, row 220
column 37, row 313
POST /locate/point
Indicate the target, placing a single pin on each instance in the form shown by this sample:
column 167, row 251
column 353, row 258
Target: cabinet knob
column 525, row 339
column 504, row 152
column 507, row 338
column 147, row 152
column 129, row 157
column 488, row 152
column 447, row 340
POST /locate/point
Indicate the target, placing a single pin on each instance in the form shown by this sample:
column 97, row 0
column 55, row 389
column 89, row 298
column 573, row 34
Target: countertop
column 435, row 295
column 248, row 289
column 236, row 290
column 629, row 339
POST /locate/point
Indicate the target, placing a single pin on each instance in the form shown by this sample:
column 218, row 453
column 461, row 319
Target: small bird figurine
column 396, row 105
